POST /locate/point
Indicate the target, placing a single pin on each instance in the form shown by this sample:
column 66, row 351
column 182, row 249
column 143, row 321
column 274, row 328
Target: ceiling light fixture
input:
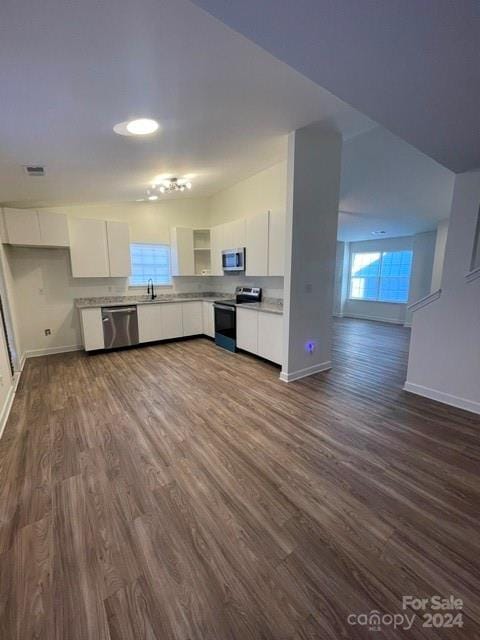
column 142, row 126
column 378, row 233
column 172, row 185
column 138, row 127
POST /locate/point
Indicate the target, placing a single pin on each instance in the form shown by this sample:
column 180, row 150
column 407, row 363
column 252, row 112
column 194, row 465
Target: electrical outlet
column 48, row 332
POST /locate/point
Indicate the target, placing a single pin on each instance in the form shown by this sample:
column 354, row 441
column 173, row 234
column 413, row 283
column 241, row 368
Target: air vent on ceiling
column 34, row 170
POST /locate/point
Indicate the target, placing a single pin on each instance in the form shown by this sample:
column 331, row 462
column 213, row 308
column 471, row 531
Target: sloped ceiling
column 411, row 65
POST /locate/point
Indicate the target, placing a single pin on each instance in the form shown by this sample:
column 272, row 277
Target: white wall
column 422, row 268
column 266, row 190
column 311, row 238
column 440, row 244
column 340, row 292
column 444, row 358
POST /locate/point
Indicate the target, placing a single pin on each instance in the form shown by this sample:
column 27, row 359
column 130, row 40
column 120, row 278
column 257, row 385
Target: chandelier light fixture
column 170, row 185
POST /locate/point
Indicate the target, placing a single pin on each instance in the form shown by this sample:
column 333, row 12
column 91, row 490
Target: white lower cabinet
column 270, row 336
column 208, row 319
column 260, row 333
column 149, row 322
column 247, row 330
column 192, row 317
column 172, row 318
column 92, row 329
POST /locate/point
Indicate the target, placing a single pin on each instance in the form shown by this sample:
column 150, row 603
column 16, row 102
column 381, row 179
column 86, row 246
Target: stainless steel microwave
column 233, row 259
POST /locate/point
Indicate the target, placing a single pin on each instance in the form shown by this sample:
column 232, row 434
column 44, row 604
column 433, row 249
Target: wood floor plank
column 180, row 492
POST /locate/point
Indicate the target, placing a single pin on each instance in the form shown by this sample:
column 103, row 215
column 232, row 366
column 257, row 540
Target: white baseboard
column 308, row 371
column 375, row 318
column 441, row 396
column 22, row 362
column 48, row 351
column 5, row 411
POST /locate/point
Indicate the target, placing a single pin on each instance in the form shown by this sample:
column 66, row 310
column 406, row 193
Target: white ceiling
column 69, row 71
column 388, row 185
column 413, row 66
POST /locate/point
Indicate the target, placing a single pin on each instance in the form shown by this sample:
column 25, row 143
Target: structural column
column 313, row 175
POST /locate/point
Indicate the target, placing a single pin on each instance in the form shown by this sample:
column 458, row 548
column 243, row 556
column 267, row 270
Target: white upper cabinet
column 238, row 233
column 183, row 261
column 22, row 227
column 276, row 243
column 28, row 227
column 99, row 249
column 216, row 247
column 256, row 258
column 118, row 239
column 89, row 248
column 53, row 229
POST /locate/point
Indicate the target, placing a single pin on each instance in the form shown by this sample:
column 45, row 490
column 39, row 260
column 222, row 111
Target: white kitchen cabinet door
column 216, row 246
column 22, row 227
column 150, row 322
column 118, row 238
column 247, row 330
column 208, row 319
column 88, row 248
column 192, row 317
column 172, row 321
column 270, row 336
column 53, row 229
column 238, row 233
column 92, row 329
column 256, row 258
column 181, row 243
column 276, row 243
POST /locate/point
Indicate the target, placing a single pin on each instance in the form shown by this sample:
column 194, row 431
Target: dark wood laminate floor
column 164, row 493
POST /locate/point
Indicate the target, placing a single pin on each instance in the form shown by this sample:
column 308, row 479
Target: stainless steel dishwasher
column 120, row 326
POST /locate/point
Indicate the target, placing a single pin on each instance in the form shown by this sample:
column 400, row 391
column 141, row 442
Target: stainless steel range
column 226, row 317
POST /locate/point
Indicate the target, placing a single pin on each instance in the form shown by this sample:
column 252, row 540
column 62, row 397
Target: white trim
column 473, row 275
column 423, row 302
column 5, row 412
column 441, row 396
column 408, row 325
column 22, row 361
column 34, row 353
column 303, row 373
column 375, row 318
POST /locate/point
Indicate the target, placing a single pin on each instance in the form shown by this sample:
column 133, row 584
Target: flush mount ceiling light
column 170, row 185
column 138, row 127
column 378, row 233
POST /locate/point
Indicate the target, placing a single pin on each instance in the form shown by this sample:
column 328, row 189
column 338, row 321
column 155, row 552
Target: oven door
column 233, row 260
column 225, row 326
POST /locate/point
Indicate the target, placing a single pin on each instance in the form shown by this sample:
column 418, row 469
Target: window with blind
column 381, row 276
column 150, row 261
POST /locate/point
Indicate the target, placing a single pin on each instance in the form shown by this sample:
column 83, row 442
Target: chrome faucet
column 150, row 290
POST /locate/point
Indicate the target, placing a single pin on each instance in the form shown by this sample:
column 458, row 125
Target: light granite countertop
column 269, row 305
